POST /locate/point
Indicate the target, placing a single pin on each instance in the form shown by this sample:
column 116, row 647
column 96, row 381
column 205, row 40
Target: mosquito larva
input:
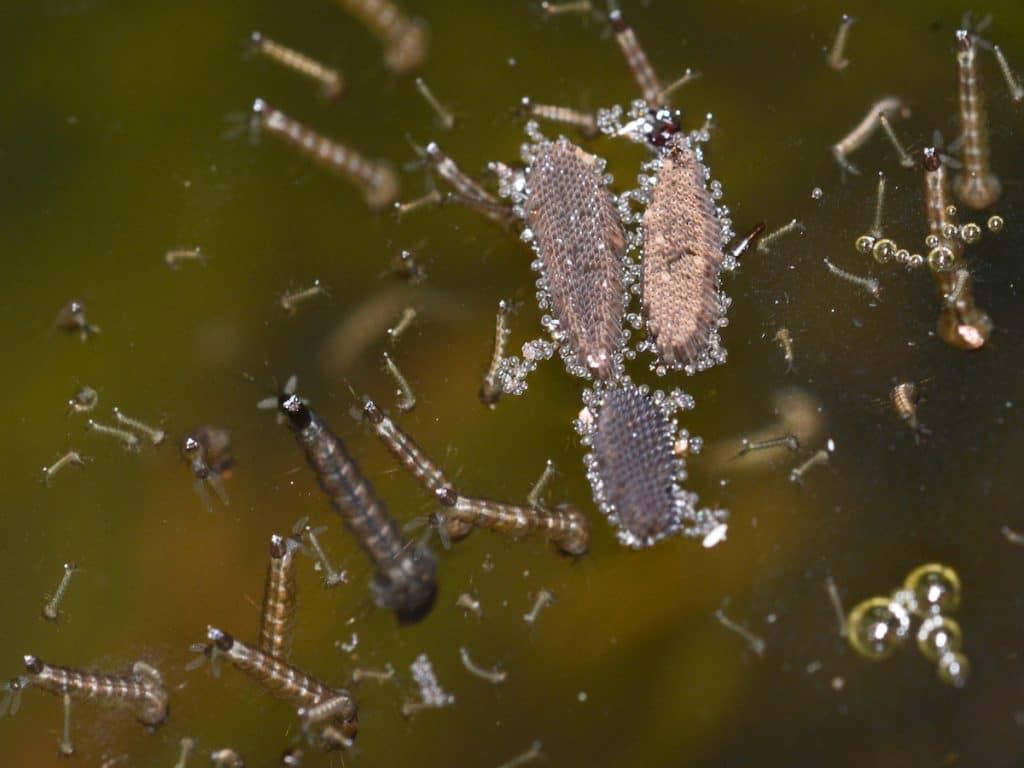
column 291, row 299
column 377, row 181
column 788, row 442
column 84, row 400
column 207, row 451
column 977, row 186
column 533, row 498
column 496, row 676
column 957, row 291
column 174, row 257
column 469, row 603
column 433, row 197
column 543, row 600
column 339, row 706
column 288, row 683
column 796, row 476
column 66, row 748
column 332, row 577
column 143, row 689
column 406, row 320
column 129, row 439
column 837, row 604
column 447, row 118
column 785, row 341
column 835, row 58
column 406, row 266
column 687, row 77
column 11, row 701
column 359, row 674
column 468, row 189
column 944, row 250
column 329, row 79
column 571, row 6
column 50, row 609
column 905, row 159
column 406, row 397
column 155, row 434
column 876, row 225
column 490, row 389
column 869, row 284
column 227, row 758
column 905, row 397
column 764, row 244
column 636, row 58
column 277, row 616
column 756, row 643
column 405, row 39
column 71, row 457
column 529, row 756
column 1016, row 90
column 583, row 120
column 71, row 318
column 889, row 106
column 187, row 745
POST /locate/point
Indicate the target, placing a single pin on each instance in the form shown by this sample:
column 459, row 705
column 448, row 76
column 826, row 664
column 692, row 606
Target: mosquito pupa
column 564, row 526
column 227, row 758
column 128, row 439
column 11, row 701
column 207, row 451
column 404, row 578
column 889, row 106
column 636, row 58
column 765, row 243
column 796, row 476
column 494, row 676
column 835, row 57
column 583, row 120
column 446, row 118
column 290, row 300
column 869, row 284
column 905, row 158
column 405, row 39
column 310, row 536
column 187, row 745
column 175, row 257
column 51, row 608
column 142, row 691
column 328, row 79
column 66, row 748
column 287, row 683
column 785, row 341
column 377, row 181
column 408, row 316
column 532, row 754
column 433, row 197
column 905, row 398
column 570, row 6
column 1012, row 83
column 490, row 389
column 71, row 319
column 84, row 400
column 277, row 616
column 71, row 457
column 432, row 695
column 789, row 442
column 977, row 186
column 469, row 604
column 381, row 676
column 155, row 434
column 406, row 397
column 543, row 600
column 837, row 604
column 754, row 642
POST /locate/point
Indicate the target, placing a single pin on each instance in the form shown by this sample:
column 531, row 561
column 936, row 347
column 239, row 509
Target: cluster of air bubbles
column 879, row 626
column 941, row 249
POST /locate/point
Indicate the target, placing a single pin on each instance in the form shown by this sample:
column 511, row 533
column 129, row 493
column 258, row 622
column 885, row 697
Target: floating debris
column 756, row 643
column 532, row 754
column 470, row 604
column 227, row 758
column 432, row 695
column 837, row 604
column 543, row 600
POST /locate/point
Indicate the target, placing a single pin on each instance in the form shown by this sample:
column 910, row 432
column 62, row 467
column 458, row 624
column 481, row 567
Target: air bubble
column 995, row 224
column 938, row 636
column 817, row 193
column 877, row 627
column 884, row 250
column 936, row 588
column 931, row 241
column 954, row 669
column 864, row 244
column 941, row 259
column 970, row 233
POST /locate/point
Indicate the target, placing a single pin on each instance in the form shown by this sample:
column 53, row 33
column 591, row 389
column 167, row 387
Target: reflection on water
column 117, row 150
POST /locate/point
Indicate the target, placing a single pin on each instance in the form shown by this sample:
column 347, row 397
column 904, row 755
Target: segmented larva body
column 286, row 683
column 406, row 39
column 404, row 578
column 143, row 690
column 977, row 187
column 939, row 210
column 277, row 619
column 580, row 242
column 635, row 466
column 683, row 245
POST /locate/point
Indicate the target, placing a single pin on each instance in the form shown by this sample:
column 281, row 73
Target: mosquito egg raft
column 937, row 636
column 877, row 627
column 936, row 589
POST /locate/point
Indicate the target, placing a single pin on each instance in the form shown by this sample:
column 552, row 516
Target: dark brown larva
column 581, row 243
column 683, row 242
column 636, row 466
column 277, row 619
column 404, row 580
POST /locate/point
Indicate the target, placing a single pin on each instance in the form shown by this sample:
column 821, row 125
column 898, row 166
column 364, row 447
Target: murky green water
column 112, row 150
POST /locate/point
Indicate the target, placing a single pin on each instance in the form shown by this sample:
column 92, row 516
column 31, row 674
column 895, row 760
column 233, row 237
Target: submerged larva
column 635, row 466
column 277, row 617
column 581, row 243
column 977, row 187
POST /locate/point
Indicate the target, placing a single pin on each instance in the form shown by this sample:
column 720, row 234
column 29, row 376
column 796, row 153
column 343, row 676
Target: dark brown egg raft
column 574, row 227
column 635, row 465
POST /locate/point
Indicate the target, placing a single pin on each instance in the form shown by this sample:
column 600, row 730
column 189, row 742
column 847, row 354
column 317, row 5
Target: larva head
column 33, row 664
column 294, row 410
column 221, row 640
column 932, row 161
